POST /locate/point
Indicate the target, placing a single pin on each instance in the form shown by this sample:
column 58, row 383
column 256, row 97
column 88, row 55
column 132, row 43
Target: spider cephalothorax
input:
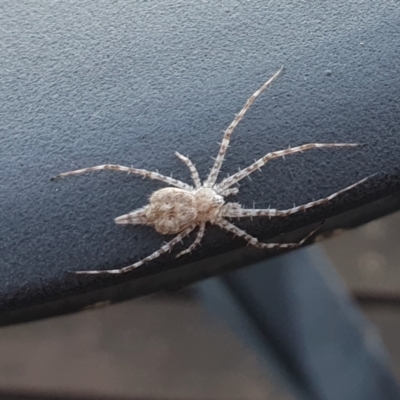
column 179, row 209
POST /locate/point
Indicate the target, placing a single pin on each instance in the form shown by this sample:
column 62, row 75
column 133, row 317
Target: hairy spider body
column 172, row 210
column 179, row 209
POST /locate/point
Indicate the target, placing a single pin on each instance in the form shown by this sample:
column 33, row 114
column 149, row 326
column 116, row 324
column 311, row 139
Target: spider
column 181, row 208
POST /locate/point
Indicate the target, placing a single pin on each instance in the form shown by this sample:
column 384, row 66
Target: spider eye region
column 171, row 210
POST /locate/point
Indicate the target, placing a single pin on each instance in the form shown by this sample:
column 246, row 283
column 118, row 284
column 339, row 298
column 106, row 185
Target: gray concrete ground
column 169, row 347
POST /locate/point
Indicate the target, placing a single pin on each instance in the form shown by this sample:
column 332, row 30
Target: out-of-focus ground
column 169, row 347
column 368, row 260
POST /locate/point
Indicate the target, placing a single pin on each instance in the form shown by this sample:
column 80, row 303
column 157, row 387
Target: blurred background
column 168, row 346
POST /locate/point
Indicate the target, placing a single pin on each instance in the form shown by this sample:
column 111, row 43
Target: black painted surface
column 85, row 83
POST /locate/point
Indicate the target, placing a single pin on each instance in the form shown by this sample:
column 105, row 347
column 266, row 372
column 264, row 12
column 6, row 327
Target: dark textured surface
column 84, row 83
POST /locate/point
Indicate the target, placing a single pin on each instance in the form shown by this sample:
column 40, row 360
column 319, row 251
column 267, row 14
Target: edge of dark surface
column 178, row 277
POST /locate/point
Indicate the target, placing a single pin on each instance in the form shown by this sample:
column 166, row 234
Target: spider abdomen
column 171, row 210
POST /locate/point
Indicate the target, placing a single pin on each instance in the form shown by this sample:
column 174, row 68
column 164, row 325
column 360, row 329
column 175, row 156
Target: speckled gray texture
column 129, row 82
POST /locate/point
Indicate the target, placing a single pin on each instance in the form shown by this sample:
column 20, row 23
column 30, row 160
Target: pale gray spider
column 178, row 210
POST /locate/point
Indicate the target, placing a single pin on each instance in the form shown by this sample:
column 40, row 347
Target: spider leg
column 270, row 212
column 164, row 249
column 231, row 180
column 230, row 192
column 200, row 235
column 212, row 177
column 224, row 224
column 120, row 168
column 135, row 217
column 193, row 171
